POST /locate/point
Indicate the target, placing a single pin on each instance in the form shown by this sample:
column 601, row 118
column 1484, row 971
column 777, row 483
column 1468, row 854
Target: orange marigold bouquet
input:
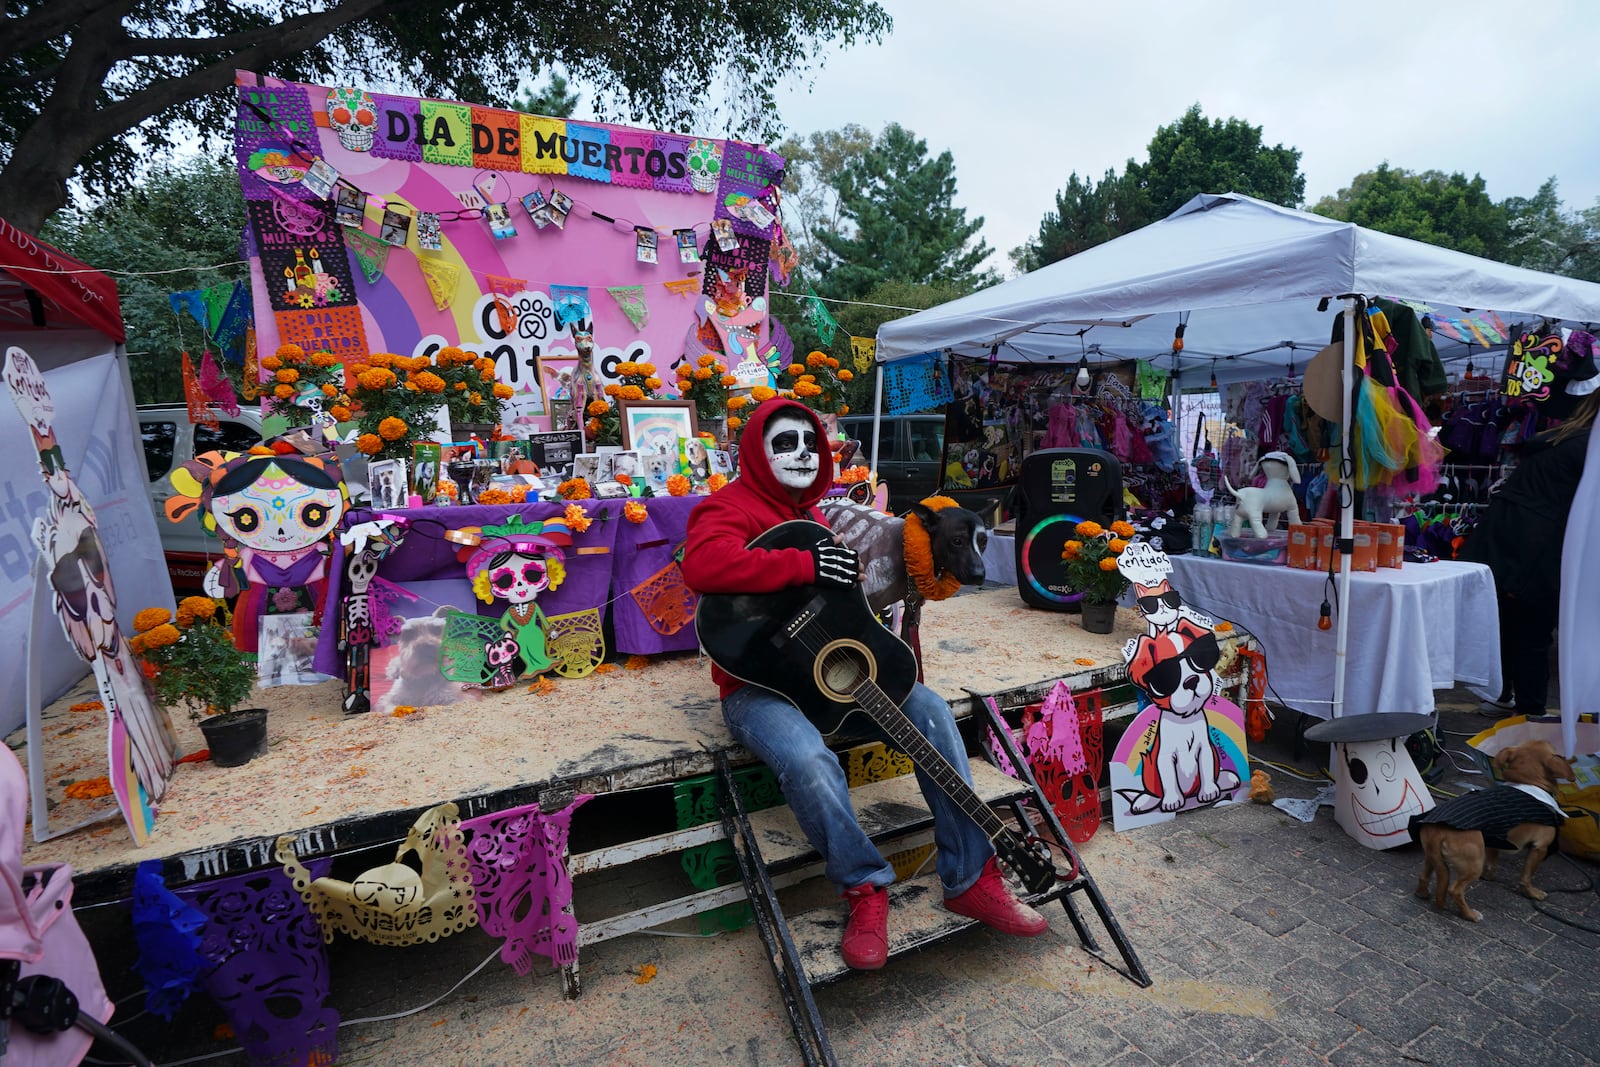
column 706, row 382
column 636, row 381
column 818, row 383
column 393, row 399
column 739, row 407
column 1091, row 561
column 193, row 662
column 296, row 379
column 468, row 386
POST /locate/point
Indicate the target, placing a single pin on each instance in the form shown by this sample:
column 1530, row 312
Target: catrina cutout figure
column 140, row 742
column 364, row 617
column 513, row 563
column 276, row 509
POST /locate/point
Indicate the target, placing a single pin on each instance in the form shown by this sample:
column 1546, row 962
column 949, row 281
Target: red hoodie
column 715, row 560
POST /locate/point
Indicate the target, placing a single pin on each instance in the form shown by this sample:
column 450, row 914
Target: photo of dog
column 1462, row 838
column 406, row 671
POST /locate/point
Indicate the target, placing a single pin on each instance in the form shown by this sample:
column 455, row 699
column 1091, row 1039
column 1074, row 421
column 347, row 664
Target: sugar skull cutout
column 280, row 511
column 140, row 742
column 353, row 116
column 1377, row 789
column 513, row 563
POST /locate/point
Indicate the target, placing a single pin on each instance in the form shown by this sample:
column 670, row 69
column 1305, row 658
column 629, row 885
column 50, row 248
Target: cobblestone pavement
column 1270, row 942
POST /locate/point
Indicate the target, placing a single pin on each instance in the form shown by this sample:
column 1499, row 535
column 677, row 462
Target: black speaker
column 1058, row 488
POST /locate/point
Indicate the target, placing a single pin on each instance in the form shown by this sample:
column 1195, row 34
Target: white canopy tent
column 1247, row 278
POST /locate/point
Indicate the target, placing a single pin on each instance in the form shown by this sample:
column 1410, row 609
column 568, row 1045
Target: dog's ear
column 929, row 517
column 1559, row 767
column 1294, row 469
column 1502, row 759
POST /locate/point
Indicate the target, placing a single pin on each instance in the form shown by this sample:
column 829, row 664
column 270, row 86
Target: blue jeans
column 814, row 785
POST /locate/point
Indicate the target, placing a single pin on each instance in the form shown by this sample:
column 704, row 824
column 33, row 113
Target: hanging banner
column 597, row 185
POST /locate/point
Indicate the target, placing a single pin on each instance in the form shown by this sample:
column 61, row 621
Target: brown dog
column 1462, row 837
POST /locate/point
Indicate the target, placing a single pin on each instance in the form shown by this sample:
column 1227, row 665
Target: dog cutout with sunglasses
column 1187, row 748
column 140, row 744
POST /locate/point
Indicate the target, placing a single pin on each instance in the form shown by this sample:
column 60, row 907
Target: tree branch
column 49, row 21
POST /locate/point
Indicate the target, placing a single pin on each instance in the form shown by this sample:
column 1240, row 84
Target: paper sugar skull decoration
column 1376, row 786
column 140, row 745
column 276, row 510
column 705, row 165
column 353, row 116
column 395, row 904
column 1187, row 748
column 365, row 620
column 512, row 563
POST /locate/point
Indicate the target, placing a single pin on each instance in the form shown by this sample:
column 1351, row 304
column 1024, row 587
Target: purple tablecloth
column 631, row 554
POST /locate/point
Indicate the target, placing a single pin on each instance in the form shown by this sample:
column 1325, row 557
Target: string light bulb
column 1213, row 375
column 1083, row 373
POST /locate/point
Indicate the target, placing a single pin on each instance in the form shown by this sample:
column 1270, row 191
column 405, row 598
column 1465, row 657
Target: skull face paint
column 516, row 578
column 277, row 504
column 790, row 442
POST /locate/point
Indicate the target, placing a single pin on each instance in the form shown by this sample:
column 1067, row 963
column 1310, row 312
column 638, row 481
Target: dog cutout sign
column 1186, row 748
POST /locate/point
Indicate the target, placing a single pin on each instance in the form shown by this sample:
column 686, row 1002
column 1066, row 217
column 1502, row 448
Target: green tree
column 1543, row 235
column 1450, row 210
column 811, row 182
column 183, row 219
column 1189, row 157
column 555, row 98
column 79, row 75
column 898, row 222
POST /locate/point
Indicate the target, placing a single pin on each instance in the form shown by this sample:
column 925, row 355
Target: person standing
column 784, row 469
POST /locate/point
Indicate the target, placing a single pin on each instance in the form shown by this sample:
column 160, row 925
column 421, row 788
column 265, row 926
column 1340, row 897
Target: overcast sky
column 1023, row 92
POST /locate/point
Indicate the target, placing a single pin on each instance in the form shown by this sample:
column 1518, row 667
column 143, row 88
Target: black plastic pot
column 1099, row 618
column 236, row 737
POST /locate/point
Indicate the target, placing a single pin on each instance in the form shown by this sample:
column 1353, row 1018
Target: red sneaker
column 865, row 945
column 991, row 902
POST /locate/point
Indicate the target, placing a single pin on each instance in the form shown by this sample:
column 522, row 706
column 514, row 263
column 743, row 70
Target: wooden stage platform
column 341, row 783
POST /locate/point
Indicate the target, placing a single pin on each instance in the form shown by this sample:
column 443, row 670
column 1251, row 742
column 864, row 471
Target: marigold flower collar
column 918, row 547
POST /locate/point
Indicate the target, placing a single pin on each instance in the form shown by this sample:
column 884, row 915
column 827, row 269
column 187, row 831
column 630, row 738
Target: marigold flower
column 401, row 711
column 627, row 368
column 593, row 425
column 340, row 413
column 429, row 382
column 1116, row 544
column 635, row 512
column 734, row 422
column 1089, row 528
column 647, row 369
column 1122, row 529
column 150, row 618
column 683, row 370
column 411, row 387
column 484, row 364
column 652, row 383
column 447, row 487
column 846, row 376
column 272, row 362
column 283, row 392
column 807, row 389
column 89, row 789
column 678, row 485
column 574, row 489
column 369, row 444
column 632, row 392
column 706, row 359
column 577, row 518
column 323, row 359
column 816, row 359
column 735, row 403
column 519, row 494
column 597, row 407
column 763, row 393
column 163, row 635
column 503, row 391
column 475, row 399
column 716, row 481
column 1071, row 549
column 844, row 409
column 330, row 390
column 487, row 374
column 797, row 369
column 377, row 378
column 613, row 389
column 200, row 607
column 703, row 374
column 290, row 353
column 450, row 355
column 1108, row 564
column 494, row 495
column 381, row 359
column 392, row 429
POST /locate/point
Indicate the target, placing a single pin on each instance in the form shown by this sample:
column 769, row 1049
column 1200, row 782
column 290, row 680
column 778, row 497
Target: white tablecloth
column 1000, row 560
column 1423, row 627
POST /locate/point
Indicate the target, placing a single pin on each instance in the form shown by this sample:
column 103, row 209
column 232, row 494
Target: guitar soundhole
column 841, row 666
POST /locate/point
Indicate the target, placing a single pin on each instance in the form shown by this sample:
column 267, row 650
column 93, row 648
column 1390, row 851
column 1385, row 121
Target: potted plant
column 706, row 382
column 1091, row 566
column 192, row 662
column 393, row 400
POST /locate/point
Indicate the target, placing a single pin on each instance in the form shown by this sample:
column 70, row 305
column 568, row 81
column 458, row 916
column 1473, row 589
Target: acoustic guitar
column 821, row 648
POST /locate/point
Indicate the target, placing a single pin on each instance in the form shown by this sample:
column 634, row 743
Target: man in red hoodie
column 784, row 469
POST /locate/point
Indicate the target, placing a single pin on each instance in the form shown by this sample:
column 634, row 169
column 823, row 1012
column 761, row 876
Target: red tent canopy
column 43, row 288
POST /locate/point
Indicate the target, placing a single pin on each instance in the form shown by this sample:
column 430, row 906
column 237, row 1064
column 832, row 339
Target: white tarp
column 94, row 425
column 1247, row 273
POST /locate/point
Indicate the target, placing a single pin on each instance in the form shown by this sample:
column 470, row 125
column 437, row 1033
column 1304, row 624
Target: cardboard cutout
column 514, row 563
column 1187, row 748
column 364, row 619
column 1377, row 787
column 140, row 744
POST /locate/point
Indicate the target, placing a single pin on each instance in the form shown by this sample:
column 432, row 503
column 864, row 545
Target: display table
column 1423, row 627
column 1000, row 559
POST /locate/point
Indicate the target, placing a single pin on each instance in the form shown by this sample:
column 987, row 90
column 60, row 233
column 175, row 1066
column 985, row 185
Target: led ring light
column 1027, row 568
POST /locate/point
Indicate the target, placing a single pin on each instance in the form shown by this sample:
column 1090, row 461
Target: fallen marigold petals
column 90, row 788
column 1084, row 661
column 1223, row 627
column 88, row 705
column 196, row 757
column 542, row 686
column 222, row 1032
column 605, row 668
column 645, row 973
column 637, row 663
column 402, row 710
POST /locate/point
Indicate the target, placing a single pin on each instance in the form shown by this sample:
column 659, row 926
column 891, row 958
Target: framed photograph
column 395, row 228
column 386, row 483
column 287, row 644
column 350, row 206
column 592, row 468
column 556, row 375
column 721, row 462
column 554, row 451
column 694, row 460
column 656, row 426
column 425, row 458
column 625, row 461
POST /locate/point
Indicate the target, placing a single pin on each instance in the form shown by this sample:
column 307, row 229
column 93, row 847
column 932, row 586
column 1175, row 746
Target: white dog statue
column 1275, row 499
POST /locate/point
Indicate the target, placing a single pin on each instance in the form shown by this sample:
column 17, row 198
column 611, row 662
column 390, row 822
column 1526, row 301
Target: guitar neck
column 908, row 739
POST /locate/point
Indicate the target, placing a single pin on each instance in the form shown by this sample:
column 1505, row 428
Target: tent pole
column 877, row 417
column 1347, row 506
